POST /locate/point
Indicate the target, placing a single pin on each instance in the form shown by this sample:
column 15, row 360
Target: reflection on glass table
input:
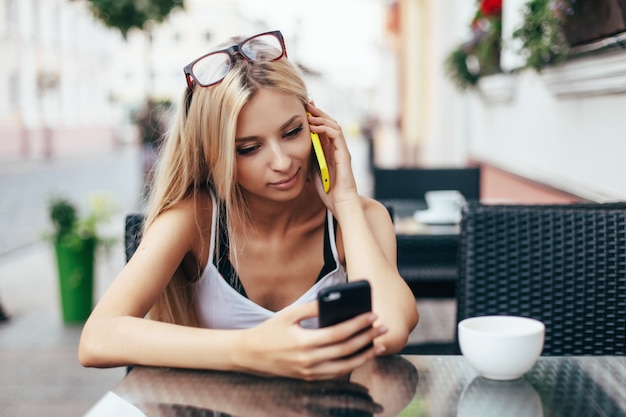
column 587, row 386
column 428, row 386
column 380, row 388
column 485, row 398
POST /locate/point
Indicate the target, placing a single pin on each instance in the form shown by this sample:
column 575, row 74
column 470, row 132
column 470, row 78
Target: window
column 595, row 20
column 14, row 91
column 11, row 17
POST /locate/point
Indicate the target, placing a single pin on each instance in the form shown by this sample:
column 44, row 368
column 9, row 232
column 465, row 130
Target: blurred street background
column 39, row 369
column 414, row 83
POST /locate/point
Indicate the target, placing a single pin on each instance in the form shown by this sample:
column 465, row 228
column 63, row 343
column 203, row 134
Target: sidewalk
column 39, row 370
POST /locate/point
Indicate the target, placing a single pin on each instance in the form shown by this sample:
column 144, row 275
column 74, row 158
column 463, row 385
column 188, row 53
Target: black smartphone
column 343, row 301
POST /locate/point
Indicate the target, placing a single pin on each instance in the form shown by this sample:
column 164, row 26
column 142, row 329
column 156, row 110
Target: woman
column 240, row 236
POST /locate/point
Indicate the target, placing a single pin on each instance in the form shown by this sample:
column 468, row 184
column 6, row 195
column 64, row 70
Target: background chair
column 427, row 263
column 133, row 228
column 132, row 233
column 413, row 183
column 562, row 264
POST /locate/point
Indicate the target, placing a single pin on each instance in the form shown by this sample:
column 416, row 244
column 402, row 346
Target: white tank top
column 220, row 306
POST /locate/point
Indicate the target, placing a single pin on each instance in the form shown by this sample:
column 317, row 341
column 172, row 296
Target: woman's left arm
column 367, row 237
column 369, row 244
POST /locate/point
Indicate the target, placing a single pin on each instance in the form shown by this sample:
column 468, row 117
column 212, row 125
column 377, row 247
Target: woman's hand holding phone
column 288, row 349
column 337, row 157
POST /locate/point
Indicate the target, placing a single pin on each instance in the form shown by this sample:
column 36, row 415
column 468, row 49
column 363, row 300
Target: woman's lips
column 286, row 183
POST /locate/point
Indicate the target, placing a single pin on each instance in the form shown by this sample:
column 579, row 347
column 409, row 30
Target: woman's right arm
column 117, row 334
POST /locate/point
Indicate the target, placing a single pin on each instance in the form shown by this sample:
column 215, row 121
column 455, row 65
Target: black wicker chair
column 413, row 183
column 562, row 264
column 132, row 233
column 428, row 263
column 133, row 228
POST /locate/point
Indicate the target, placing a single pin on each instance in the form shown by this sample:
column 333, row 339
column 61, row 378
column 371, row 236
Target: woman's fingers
column 338, row 365
column 314, row 354
column 332, row 140
column 345, row 337
column 341, row 347
column 297, row 313
column 333, row 334
column 317, row 112
column 344, row 344
column 346, row 329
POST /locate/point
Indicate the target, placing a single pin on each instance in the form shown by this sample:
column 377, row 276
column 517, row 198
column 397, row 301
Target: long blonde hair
column 199, row 157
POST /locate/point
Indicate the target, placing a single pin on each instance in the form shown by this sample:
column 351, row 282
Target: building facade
column 560, row 128
column 55, row 93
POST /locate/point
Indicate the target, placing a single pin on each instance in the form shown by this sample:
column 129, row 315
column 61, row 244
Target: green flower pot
column 75, row 262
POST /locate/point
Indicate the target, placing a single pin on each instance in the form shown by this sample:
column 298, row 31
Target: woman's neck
column 272, row 216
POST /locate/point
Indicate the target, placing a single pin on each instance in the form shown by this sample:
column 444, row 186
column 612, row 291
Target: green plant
column 458, row 70
column 480, row 55
column 127, row 14
column 541, row 34
column 63, row 216
column 71, row 229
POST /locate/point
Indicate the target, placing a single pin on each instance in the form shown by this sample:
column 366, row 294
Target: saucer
column 437, row 217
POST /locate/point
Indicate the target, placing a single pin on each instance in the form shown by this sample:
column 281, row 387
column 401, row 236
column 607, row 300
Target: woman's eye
column 294, row 132
column 247, row 150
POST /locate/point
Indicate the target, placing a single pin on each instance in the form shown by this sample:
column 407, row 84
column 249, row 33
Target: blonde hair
column 199, row 157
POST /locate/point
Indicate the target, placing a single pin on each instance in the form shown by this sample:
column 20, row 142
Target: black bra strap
column 227, row 271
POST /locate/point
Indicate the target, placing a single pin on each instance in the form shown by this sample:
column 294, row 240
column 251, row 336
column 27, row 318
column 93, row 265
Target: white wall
column 446, row 142
column 574, row 143
column 564, row 127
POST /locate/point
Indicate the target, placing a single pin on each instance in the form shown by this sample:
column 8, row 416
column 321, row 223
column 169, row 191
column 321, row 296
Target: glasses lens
column 262, row 48
column 211, row 69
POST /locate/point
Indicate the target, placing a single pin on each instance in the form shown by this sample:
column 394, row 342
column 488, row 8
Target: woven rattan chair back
column 562, row 264
column 132, row 233
column 413, row 183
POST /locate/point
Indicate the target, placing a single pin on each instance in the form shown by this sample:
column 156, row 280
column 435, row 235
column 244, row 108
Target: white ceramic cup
column 501, row 347
column 444, row 201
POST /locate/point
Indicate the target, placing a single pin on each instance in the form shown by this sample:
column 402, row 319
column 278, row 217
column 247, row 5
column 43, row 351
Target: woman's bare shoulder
column 191, row 215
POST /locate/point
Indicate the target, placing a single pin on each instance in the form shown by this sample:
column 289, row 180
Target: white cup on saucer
column 444, row 202
column 444, row 207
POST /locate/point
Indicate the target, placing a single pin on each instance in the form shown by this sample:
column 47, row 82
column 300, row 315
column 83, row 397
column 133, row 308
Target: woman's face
column 273, row 146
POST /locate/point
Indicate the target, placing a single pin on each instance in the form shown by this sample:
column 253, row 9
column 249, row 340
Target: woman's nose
column 280, row 158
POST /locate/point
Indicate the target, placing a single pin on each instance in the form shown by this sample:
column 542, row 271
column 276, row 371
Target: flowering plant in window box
column 543, row 41
column 480, row 55
column 555, row 30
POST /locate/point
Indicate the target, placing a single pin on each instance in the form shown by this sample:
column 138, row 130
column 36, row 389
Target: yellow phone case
column 321, row 160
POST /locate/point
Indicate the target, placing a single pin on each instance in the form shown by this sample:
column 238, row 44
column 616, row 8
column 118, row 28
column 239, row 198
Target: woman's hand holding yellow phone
column 321, row 160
